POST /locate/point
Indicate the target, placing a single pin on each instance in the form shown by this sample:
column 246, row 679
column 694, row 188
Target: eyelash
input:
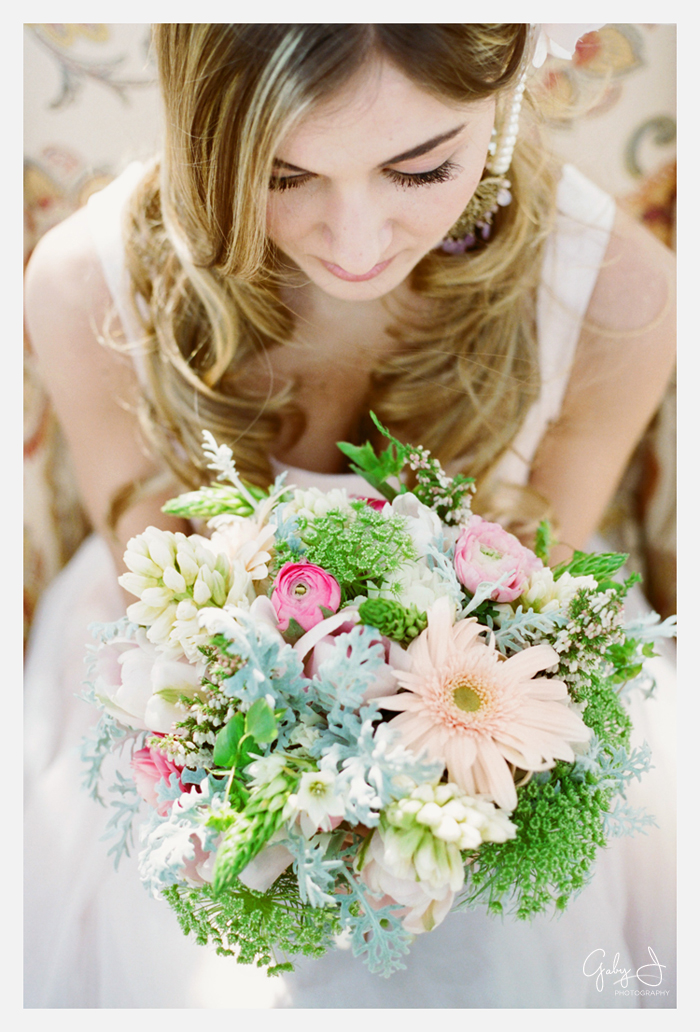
column 442, row 174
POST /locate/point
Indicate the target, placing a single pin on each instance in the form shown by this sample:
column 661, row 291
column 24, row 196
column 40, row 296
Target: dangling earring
column 493, row 192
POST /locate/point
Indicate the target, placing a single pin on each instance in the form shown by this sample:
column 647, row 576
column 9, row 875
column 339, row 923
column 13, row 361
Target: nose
column 357, row 232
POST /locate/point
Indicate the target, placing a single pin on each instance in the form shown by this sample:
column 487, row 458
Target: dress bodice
column 573, row 255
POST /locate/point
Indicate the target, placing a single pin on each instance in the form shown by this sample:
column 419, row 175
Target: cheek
column 286, row 221
column 437, row 208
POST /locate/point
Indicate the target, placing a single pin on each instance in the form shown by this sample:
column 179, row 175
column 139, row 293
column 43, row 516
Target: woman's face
column 371, row 181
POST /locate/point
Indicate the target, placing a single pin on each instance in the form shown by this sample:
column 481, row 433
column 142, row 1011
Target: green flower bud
column 400, row 623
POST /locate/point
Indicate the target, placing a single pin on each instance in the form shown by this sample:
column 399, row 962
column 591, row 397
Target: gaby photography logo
column 645, row 980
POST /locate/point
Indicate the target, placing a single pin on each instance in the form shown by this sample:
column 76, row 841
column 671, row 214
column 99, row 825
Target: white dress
column 95, row 939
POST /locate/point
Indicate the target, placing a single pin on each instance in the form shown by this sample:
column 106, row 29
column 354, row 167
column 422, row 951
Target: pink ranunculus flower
column 301, row 592
column 149, row 766
column 485, row 551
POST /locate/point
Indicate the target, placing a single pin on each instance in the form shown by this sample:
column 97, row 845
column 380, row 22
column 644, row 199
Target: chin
column 364, row 290
column 369, row 291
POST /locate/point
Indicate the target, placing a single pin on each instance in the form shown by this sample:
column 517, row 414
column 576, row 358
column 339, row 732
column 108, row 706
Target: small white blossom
column 315, row 802
column 305, row 732
column 264, row 771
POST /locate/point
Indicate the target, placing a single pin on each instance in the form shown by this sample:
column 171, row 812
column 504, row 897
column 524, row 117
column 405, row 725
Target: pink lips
column 342, row 274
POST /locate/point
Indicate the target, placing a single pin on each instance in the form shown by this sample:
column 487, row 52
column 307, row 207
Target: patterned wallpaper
column 91, row 106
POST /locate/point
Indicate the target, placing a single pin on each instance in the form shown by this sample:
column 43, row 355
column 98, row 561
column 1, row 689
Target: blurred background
column 91, row 107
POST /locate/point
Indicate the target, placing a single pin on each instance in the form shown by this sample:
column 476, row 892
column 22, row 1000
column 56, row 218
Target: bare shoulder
column 64, row 286
column 634, row 297
column 92, row 383
column 624, row 361
column 71, row 320
column 627, row 345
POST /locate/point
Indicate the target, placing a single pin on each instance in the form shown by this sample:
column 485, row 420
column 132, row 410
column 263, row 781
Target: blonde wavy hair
column 208, row 281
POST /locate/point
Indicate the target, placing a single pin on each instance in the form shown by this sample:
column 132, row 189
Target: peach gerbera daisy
column 480, row 713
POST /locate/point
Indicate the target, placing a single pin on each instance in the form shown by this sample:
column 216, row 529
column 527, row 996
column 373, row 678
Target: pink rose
column 485, row 551
column 301, row 591
column 149, row 766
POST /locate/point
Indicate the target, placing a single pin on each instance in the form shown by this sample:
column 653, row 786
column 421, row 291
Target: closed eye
column 442, row 174
column 288, row 182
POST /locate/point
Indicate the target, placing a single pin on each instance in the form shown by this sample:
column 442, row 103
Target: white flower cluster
column 414, row 854
column 584, row 641
column 451, row 816
column 140, row 684
column 174, row 576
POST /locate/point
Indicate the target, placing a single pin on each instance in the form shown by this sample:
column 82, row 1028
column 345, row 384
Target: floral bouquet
column 347, row 716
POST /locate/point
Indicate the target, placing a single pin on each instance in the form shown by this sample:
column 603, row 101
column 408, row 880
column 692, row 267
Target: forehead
column 379, row 113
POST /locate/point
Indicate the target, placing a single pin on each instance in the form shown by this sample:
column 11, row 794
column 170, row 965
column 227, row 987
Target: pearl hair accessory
column 493, row 191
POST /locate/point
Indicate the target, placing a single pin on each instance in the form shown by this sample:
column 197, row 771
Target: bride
column 343, row 218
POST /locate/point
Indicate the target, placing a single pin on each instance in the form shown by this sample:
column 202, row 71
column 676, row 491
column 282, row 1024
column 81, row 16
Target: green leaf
column 294, row 632
column 227, row 741
column 237, row 794
column 369, row 467
column 261, row 723
column 377, row 469
column 543, row 541
column 600, row 565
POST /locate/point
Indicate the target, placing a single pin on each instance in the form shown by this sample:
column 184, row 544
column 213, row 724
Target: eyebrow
column 423, row 148
column 414, row 152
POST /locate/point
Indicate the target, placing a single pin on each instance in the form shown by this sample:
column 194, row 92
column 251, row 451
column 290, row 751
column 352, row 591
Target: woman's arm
column 624, row 360
column 93, row 387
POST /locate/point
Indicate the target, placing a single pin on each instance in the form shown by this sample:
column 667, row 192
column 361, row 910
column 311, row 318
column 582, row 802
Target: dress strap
column 106, row 210
column 572, row 259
